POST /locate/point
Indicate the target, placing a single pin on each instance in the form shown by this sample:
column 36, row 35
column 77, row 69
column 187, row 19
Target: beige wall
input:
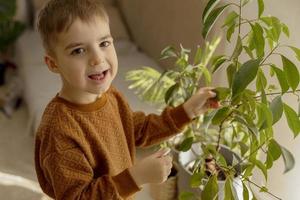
column 157, row 23
column 286, row 186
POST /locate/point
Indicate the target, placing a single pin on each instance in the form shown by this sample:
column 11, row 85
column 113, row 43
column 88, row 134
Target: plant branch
column 271, row 52
column 251, row 153
column 262, row 188
column 240, row 17
column 276, row 93
column 268, row 94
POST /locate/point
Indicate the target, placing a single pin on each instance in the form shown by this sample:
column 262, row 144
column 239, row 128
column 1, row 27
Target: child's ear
column 50, row 61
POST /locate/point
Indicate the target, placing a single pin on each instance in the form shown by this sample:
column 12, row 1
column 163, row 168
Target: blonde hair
column 58, row 15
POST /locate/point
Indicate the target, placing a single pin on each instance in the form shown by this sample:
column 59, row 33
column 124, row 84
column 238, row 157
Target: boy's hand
column 152, row 169
column 200, row 102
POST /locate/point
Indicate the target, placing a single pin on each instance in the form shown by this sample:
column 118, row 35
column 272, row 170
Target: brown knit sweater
column 84, row 151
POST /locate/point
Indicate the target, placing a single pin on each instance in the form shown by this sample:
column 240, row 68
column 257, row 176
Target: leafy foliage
column 250, row 104
column 10, row 29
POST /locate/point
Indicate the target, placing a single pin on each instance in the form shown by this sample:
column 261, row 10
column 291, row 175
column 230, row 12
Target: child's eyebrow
column 72, row 45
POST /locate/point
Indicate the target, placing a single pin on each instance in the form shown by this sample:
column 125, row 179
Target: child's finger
column 162, row 152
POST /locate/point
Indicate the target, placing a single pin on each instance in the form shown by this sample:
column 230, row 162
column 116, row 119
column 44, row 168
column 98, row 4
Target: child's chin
column 101, row 90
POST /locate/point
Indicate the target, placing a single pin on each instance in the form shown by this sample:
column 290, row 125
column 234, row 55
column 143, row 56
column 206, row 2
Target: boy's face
column 86, row 60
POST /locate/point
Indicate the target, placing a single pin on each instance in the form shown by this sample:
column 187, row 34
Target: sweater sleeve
column 152, row 129
column 71, row 177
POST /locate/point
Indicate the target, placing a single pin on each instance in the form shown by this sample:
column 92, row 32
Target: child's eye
column 105, row 44
column 77, row 51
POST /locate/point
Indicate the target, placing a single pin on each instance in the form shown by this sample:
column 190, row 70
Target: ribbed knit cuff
column 125, row 184
column 180, row 117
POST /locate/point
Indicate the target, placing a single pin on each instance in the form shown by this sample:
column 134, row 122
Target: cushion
column 155, row 24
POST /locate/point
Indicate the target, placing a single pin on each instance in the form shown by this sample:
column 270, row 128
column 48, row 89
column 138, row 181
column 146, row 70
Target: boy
column 85, row 145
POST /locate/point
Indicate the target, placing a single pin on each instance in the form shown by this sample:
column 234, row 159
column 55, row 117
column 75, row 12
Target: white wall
column 286, row 186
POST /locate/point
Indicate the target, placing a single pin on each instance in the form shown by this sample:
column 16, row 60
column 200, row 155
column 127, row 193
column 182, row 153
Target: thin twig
column 268, row 94
column 261, row 188
column 271, row 52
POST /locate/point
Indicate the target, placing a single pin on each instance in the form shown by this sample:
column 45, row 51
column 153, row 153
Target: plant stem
column 276, row 93
column 269, row 94
column 220, row 130
column 240, row 17
column 261, row 188
column 271, row 52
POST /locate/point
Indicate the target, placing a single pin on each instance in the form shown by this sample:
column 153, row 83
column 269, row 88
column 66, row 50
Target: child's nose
column 96, row 59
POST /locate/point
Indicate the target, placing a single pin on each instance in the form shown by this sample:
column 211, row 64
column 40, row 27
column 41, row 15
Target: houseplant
column 250, row 104
column 10, row 30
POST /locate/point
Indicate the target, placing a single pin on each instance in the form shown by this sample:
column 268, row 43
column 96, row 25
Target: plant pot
column 184, row 174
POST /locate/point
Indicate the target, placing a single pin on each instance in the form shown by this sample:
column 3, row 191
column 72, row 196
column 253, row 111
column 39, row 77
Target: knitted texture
column 84, row 151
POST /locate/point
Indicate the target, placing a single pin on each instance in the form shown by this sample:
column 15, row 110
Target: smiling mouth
column 99, row 76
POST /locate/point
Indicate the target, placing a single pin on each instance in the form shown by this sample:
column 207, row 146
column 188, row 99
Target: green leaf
column 9, row 32
column 244, row 76
column 248, row 170
column 263, row 189
column 291, row 72
column 230, row 19
column 198, row 56
column 208, row 8
column 222, row 92
column 259, row 40
column 267, row 116
column 275, row 27
column 186, row 144
column 186, row 196
column 230, row 31
column 196, row 179
column 149, row 84
column 296, row 51
column 244, row 2
column 262, row 167
column 251, row 127
column 250, row 41
column 249, row 52
column 211, row 188
column 228, row 189
column 174, row 88
column 207, row 75
column 285, row 29
column 231, row 71
column 168, row 52
column 220, row 115
column 292, row 119
column 261, row 81
column 7, row 9
column 245, row 192
column 217, row 62
column 274, row 149
column 269, row 160
column 238, row 49
column 261, row 7
column 276, row 108
column 288, row 158
column 281, row 78
column 243, row 147
column 211, row 19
